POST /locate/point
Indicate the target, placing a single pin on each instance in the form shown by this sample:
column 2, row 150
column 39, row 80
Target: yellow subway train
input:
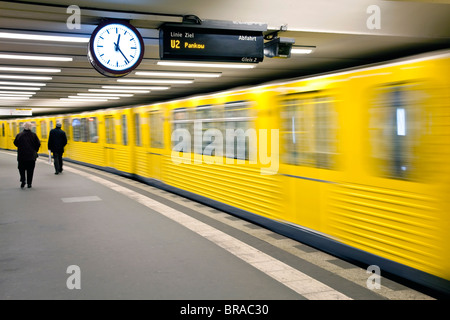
column 355, row 163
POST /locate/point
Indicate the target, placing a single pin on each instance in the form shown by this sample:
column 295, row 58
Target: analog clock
column 115, row 48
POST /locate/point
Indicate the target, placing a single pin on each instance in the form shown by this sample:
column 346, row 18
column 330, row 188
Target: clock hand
column 123, row 54
column 117, row 44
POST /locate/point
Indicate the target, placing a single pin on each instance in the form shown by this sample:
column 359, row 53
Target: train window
column 290, row 132
column 326, row 130
column 14, row 129
column 84, row 130
column 93, row 129
column 33, row 126
column 66, row 128
column 124, row 130
column 308, row 131
column 237, row 121
column 181, row 120
column 233, row 119
column 76, row 127
column 110, row 130
column 395, row 127
column 156, row 129
column 137, row 130
column 3, row 129
column 206, row 116
column 43, row 130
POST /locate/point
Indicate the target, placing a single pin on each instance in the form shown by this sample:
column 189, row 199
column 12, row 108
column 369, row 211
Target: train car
column 371, row 169
column 354, row 163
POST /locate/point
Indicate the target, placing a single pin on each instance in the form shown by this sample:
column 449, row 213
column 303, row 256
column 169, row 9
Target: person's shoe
column 29, row 186
column 22, row 185
column 56, row 172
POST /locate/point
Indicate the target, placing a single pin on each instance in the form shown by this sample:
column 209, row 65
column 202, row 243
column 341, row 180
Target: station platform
column 87, row 234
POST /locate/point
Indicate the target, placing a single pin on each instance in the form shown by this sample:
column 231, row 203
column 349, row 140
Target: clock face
column 115, row 48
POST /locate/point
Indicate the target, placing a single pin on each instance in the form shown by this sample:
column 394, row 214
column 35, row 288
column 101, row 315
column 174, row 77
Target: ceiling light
column 92, row 97
column 156, row 81
column 22, row 84
column 14, row 98
column 18, row 92
column 38, row 37
column 302, row 50
column 83, row 100
column 19, row 88
column 16, row 69
column 137, row 88
column 179, row 74
column 105, row 95
column 7, row 76
column 14, row 95
column 118, row 91
column 28, row 57
column 206, row 65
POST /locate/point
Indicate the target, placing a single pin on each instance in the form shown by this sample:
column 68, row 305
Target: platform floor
column 119, row 239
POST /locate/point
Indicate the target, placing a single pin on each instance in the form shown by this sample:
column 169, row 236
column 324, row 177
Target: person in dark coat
column 28, row 145
column 56, row 143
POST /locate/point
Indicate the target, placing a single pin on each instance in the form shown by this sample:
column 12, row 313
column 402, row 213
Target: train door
column 110, row 141
column 308, row 138
column 14, row 131
column 140, row 151
column 67, row 129
column 124, row 152
column 44, row 135
column 2, row 136
column 156, row 125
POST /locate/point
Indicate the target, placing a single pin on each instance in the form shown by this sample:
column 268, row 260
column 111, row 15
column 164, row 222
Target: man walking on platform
column 28, row 145
column 56, row 143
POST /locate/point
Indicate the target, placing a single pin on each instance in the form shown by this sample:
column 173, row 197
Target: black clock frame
column 98, row 65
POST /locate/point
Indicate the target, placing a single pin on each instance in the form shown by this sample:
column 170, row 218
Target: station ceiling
column 344, row 33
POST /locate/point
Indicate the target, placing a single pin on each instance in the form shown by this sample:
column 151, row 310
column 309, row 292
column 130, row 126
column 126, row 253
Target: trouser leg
column 56, row 161
column 60, row 162
column 21, row 168
column 30, row 171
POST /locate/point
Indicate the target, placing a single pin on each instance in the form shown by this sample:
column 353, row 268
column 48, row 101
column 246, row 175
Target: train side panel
column 231, row 176
column 392, row 200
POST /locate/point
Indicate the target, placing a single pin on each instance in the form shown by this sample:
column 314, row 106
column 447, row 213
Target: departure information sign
column 204, row 44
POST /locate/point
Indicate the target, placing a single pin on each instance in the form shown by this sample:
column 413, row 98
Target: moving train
column 355, row 162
